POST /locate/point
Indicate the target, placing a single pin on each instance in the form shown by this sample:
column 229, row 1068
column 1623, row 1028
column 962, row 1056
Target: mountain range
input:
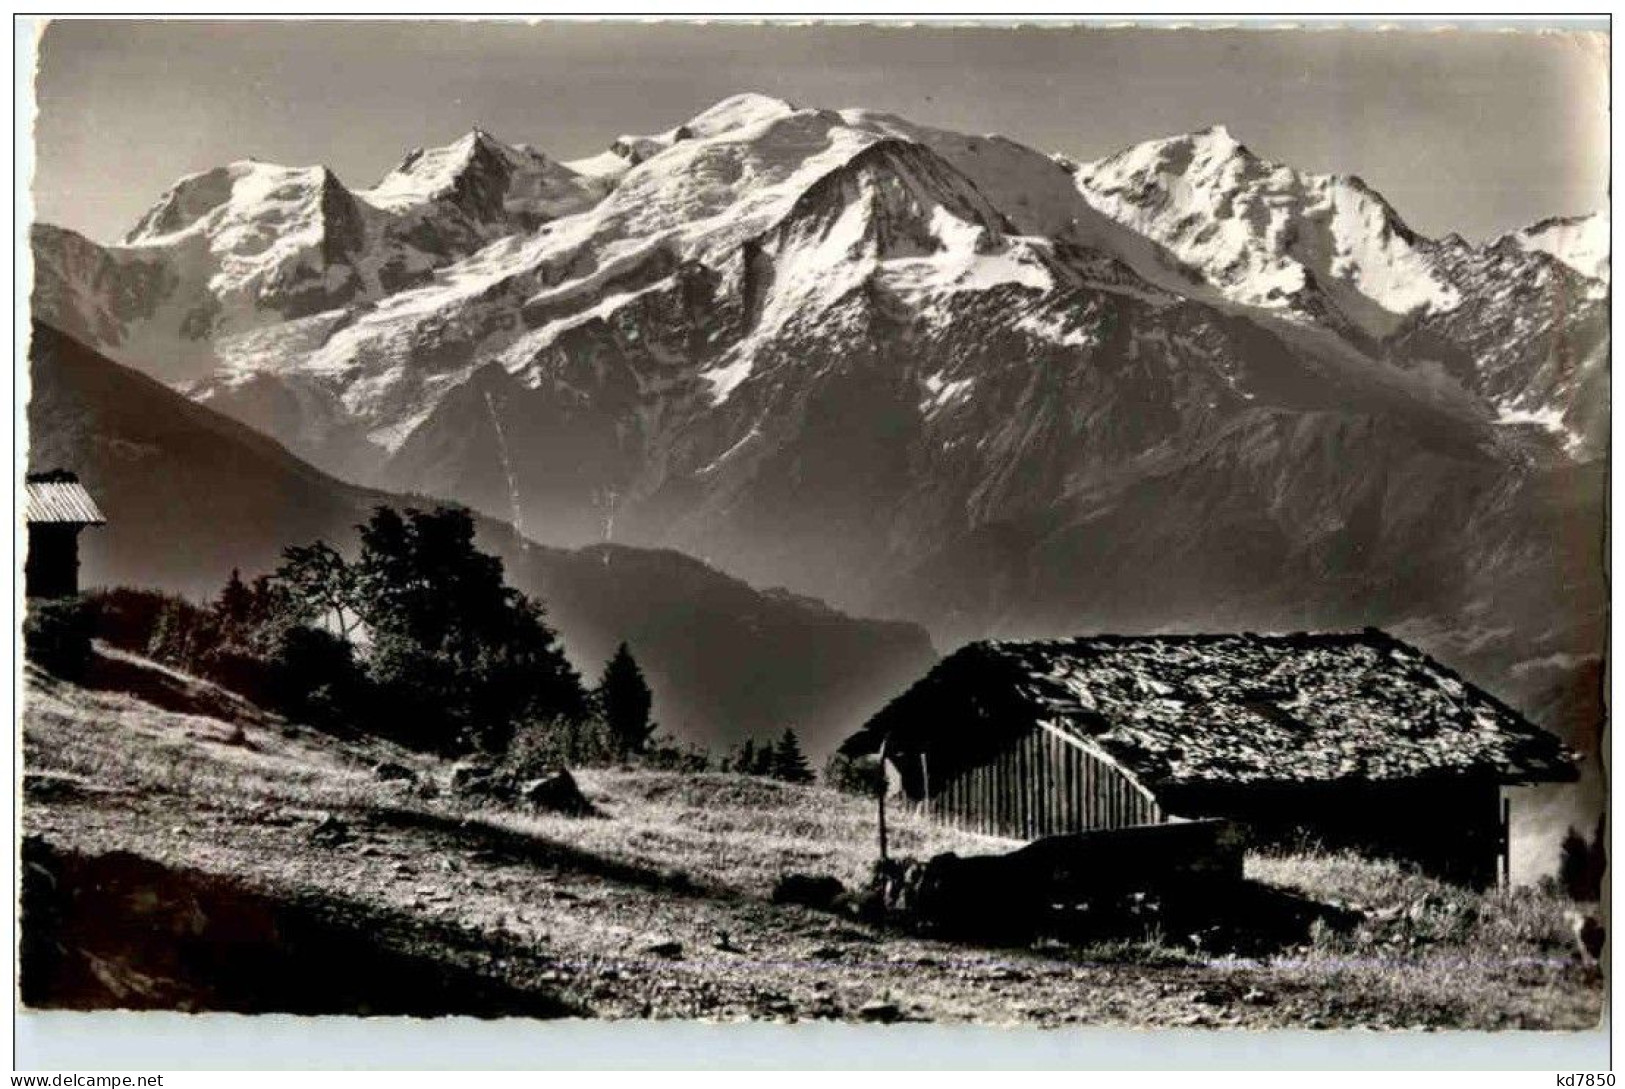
column 919, row 373
column 190, row 494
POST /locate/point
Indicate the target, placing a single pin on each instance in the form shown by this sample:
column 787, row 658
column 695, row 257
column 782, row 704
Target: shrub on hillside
column 543, row 745
column 749, row 758
column 181, row 635
column 160, row 626
column 57, row 634
column 669, row 754
column 1582, row 863
column 861, row 776
column 248, row 640
column 312, row 675
column 127, row 617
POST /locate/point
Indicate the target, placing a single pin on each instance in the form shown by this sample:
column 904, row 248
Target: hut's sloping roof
column 1202, row 710
column 59, row 497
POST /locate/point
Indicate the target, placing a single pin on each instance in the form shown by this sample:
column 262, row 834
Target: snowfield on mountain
column 414, row 300
column 920, row 373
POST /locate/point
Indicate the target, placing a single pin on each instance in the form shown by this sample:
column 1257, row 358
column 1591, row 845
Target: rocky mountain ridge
column 190, row 494
column 930, row 374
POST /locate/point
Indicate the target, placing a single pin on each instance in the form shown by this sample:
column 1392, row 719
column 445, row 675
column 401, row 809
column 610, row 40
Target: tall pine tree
column 626, row 701
column 789, row 764
column 235, row 603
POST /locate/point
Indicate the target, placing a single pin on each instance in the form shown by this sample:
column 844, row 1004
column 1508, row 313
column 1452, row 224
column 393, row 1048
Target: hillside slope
column 191, row 494
column 269, row 870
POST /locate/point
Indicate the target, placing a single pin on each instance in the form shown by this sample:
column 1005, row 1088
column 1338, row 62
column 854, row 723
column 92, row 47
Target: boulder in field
column 557, row 793
column 880, row 1012
column 810, row 890
column 330, row 831
column 668, row 948
column 389, row 771
column 471, row 777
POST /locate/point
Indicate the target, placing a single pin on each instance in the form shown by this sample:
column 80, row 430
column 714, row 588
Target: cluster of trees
column 417, row 637
column 782, row 760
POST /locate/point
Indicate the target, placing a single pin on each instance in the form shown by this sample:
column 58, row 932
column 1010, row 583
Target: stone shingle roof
column 1201, row 710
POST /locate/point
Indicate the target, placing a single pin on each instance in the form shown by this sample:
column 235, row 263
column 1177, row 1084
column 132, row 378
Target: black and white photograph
column 1050, row 525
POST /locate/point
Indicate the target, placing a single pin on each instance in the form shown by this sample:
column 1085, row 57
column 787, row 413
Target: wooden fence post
column 1506, row 843
column 882, row 799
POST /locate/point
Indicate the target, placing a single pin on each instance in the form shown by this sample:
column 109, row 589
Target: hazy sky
column 1476, row 132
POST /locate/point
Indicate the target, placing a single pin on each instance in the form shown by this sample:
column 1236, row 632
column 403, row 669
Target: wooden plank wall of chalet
column 1041, row 786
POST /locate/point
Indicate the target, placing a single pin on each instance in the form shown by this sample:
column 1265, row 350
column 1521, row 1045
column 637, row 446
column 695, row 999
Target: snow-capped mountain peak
column 735, row 112
column 261, row 234
column 1201, row 157
column 1215, row 141
column 489, row 180
column 930, row 370
column 745, row 249
column 239, row 191
column 1580, row 242
column 1268, row 236
column 425, row 174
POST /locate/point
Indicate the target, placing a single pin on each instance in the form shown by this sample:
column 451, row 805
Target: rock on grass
column 880, row 1012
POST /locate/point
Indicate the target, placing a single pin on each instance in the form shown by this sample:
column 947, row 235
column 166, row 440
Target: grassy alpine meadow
column 175, row 792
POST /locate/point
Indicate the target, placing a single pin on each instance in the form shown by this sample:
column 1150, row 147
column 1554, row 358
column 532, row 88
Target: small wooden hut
column 58, row 508
column 1344, row 739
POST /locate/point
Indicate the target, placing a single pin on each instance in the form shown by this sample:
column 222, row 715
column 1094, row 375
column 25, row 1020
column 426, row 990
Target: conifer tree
column 235, row 603
column 789, row 764
column 626, row 701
